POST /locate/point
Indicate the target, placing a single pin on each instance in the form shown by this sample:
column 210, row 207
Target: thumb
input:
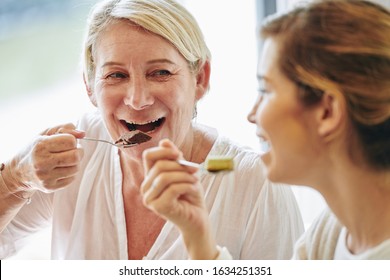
column 77, row 133
column 166, row 143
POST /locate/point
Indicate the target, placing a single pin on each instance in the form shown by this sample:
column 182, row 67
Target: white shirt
column 326, row 240
column 381, row 251
column 250, row 216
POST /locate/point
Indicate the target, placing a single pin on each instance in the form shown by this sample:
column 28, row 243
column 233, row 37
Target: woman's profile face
column 142, row 82
column 284, row 125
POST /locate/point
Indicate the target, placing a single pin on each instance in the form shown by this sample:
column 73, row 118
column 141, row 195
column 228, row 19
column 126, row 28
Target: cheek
column 181, row 97
column 263, row 114
column 107, row 96
column 98, row 91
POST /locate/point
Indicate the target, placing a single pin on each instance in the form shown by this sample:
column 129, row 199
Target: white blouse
column 252, row 217
column 326, row 239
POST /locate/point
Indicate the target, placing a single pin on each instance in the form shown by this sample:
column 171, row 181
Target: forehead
column 268, row 60
column 123, row 38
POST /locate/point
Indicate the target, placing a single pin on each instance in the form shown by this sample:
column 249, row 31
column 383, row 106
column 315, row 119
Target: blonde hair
column 165, row 18
column 342, row 46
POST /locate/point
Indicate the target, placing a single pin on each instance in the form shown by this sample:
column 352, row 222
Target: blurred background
column 41, row 80
column 40, row 77
column 40, row 42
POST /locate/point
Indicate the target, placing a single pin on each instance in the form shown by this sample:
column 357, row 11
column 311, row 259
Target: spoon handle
column 100, row 140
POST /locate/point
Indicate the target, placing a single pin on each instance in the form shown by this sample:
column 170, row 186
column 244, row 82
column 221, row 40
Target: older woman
column 323, row 112
column 146, row 67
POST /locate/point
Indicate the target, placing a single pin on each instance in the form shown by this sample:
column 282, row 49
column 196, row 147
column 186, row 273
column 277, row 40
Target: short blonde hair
column 166, row 18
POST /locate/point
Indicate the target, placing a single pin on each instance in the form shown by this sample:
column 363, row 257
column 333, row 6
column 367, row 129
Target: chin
column 271, row 170
column 270, row 175
column 266, row 158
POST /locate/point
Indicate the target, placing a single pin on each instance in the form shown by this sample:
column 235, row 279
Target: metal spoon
column 127, row 140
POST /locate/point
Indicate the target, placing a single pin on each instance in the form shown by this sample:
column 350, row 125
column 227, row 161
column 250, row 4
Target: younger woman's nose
column 251, row 116
column 252, row 113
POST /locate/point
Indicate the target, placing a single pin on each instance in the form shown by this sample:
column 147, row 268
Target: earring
column 195, row 113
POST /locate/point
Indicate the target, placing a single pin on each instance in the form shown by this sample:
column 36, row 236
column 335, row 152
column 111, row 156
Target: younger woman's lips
column 265, row 145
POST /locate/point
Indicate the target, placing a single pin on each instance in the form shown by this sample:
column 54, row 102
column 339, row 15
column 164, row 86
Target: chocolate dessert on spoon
column 132, row 138
column 126, row 140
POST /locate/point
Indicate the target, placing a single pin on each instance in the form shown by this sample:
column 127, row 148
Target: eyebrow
column 162, row 60
column 154, row 61
column 111, row 63
column 262, row 78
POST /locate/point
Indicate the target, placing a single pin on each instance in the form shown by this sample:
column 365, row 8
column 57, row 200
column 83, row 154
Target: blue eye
column 161, row 73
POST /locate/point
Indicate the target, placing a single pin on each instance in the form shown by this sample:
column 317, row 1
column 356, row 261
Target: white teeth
column 144, row 122
column 153, row 121
column 265, row 146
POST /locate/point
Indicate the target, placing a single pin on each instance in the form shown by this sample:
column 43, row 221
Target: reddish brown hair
column 342, row 46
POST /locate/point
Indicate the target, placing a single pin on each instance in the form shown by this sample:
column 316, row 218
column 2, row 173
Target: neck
column 199, row 143
column 132, row 170
column 360, row 198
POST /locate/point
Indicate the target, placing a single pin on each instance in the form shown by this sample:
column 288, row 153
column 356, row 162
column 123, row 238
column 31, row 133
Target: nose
column 252, row 113
column 138, row 95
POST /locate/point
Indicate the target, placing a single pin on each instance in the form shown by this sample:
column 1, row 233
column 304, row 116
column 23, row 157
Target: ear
column 202, row 80
column 331, row 115
column 91, row 96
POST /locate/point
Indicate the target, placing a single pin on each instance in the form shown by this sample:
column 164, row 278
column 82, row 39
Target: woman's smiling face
column 142, row 82
column 284, row 125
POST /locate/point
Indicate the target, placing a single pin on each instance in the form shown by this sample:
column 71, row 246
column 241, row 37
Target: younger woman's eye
column 262, row 91
column 262, row 87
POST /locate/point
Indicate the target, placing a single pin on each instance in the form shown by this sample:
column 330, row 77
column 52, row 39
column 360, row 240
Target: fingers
column 57, row 178
column 166, row 143
column 179, row 203
column 55, row 143
column 172, row 190
column 54, row 130
column 54, row 152
column 152, row 189
column 68, row 158
column 163, row 151
column 47, row 160
column 167, row 201
column 68, row 128
column 162, row 170
column 53, row 159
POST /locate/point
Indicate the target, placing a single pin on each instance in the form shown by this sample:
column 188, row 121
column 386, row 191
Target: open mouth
column 145, row 127
column 265, row 146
